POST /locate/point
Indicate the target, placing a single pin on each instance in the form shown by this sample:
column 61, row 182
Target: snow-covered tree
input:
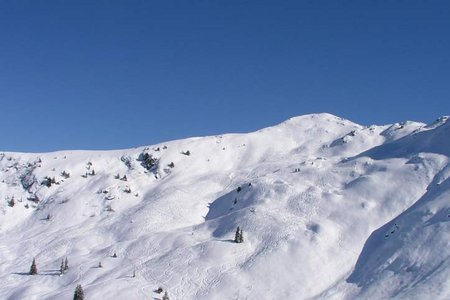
column 33, row 268
column 66, row 264
column 237, row 235
column 79, row 293
column 165, row 296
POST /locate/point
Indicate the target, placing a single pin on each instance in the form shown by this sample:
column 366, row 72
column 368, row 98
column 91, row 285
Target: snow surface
column 329, row 209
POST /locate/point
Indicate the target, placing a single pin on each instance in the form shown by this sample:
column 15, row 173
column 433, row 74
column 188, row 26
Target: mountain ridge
column 315, row 190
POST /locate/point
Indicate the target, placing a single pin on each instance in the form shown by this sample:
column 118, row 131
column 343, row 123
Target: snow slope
column 330, row 210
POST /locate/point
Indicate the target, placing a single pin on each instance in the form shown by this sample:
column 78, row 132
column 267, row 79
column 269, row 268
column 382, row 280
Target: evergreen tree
column 33, row 268
column 166, row 296
column 237, row 235
column 100, row 265
column 61, row 268
column 79, row 293
column 66, row 264
column 115, row 254
column 241, row 237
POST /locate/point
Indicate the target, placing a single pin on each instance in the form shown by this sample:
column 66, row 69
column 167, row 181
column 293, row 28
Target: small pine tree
column 237, row 235
column 66, row 264
column 166, row 296
column 115, row 254
column 241, row 237
column 100, row 265
column 33, row 268
column 61, row 268
column 79, row 293
column 134, row 273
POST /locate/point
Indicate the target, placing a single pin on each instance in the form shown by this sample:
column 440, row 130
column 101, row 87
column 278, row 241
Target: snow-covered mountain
column 329, row 210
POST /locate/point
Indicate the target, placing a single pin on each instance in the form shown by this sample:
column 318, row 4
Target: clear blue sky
column 117, row 74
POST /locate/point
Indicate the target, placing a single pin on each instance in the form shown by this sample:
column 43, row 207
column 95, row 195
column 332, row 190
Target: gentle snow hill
column 329, row 210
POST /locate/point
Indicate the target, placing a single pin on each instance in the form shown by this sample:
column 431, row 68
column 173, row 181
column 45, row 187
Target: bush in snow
column 127, row 161
column 34, row 198
column 48, row 181
column 11, row 202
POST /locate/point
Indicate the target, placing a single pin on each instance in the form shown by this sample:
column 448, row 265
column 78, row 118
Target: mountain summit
column 326, row 209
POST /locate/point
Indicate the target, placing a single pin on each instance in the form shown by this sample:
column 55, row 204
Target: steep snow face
column 328, row 208
column 408, row 257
